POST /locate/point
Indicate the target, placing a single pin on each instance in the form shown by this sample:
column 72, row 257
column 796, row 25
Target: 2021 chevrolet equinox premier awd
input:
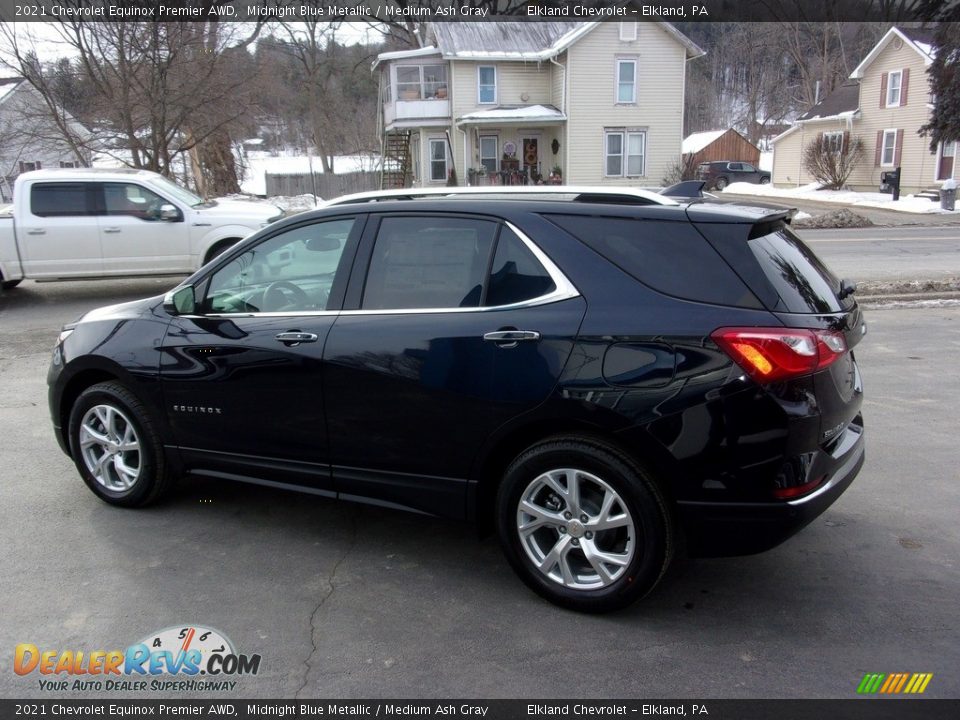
column 593, row 376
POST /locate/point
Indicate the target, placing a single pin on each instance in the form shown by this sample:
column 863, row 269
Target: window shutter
column 876, row 158
column 904, row 86
column 38, row 164
column 21, row 166
column 883, row 90
column 845, row 142
column 898, row 148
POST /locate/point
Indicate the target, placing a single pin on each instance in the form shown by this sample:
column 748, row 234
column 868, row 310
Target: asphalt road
column 902, row 253
column 349, row 601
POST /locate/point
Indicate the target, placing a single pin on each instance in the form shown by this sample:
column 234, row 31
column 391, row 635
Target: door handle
column 36, row 232
column 111, row 230
column 295, row 337
column 510, row 338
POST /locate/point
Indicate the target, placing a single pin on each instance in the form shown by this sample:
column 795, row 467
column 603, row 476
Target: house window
column 626, row 81
column 29, row 166
column 69, row 164
column 628, row 31
column 894, row 81
column 486, row 85
column 889, row 148
column 625, row 153
column 421, row 82
column 438, row 159
column 834, row 142
column 489, row 155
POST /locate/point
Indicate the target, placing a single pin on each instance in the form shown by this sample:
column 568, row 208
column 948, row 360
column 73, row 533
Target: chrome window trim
column 563, row 290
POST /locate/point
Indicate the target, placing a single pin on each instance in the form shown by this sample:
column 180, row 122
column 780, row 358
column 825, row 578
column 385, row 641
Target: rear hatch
column 801, row 292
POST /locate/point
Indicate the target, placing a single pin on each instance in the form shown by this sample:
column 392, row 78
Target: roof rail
column 576, row 193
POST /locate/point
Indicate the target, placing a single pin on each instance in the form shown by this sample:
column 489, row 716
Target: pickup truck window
column 60, row 199
column 132, row 200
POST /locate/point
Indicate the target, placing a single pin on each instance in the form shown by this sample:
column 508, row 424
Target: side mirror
column 180, row 301
column 170, row 213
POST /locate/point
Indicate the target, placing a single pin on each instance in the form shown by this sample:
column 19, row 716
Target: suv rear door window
column 804, row 283
column 670, row 257
column 428, row 262
column 516, row 274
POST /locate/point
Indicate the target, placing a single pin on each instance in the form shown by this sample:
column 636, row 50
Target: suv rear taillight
column 771, row 354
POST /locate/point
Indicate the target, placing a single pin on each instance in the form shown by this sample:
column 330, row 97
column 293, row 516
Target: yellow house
column 884, row 103
column 513, row 102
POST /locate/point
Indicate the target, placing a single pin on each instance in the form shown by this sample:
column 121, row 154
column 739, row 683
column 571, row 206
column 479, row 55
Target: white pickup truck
column 93, row 223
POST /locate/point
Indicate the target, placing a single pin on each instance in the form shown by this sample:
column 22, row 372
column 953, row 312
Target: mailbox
column 890, row 182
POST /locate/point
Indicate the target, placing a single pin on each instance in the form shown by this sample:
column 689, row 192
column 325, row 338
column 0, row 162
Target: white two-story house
column 509, row 102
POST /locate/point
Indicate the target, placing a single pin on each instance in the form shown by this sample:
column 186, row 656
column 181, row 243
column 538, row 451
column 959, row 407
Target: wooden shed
column 719, row 145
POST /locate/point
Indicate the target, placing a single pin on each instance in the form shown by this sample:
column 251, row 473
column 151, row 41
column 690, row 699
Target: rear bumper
column 722, row 529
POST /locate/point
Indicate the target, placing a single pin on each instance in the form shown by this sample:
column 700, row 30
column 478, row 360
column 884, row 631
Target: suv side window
column 669, row 256
column 289, row 272
column 516, row 274
column 132, row 200
column 61, row 199
column 428, row 262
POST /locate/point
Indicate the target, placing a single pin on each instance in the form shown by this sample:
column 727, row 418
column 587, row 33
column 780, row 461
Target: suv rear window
column 804, row 283
column 668, row 256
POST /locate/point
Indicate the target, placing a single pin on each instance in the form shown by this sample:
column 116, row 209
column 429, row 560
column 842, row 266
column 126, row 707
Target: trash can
column 948, row 195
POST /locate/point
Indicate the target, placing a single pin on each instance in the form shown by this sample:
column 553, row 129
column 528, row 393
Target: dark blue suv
column 594, row 376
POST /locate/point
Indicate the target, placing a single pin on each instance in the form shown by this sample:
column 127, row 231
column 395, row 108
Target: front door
column 134, row 239
column 416, row 378
column 948, row 152
column 242, row 378
column 531, row 155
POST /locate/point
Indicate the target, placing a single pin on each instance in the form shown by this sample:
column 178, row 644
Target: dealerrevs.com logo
column 169, row 660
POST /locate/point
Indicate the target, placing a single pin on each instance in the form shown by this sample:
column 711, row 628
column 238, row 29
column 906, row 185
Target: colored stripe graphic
column 894, row 683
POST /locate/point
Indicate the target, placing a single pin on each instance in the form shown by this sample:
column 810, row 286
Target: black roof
column 845, row 98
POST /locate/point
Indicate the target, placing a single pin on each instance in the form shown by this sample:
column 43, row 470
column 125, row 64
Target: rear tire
column 116, row 448
column 583, row 525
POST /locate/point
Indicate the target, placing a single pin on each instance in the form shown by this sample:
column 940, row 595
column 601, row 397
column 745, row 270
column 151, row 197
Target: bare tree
column 157, row 90
column 830, row 159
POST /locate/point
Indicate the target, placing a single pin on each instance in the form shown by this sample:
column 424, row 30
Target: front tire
column 583, row 525
column 9, row 284
column 720, row 183
column 764, row 180
column 116, row 448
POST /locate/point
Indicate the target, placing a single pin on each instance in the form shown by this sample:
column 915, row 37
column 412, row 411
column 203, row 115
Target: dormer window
column 894, row 84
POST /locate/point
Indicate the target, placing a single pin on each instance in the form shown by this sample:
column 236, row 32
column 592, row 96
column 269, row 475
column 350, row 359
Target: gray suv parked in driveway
column 719, row 174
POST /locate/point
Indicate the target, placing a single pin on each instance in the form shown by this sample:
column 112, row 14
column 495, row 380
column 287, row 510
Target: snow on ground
column 291, row 205
column 906, row 203
column 801, row 215
column 259, row 163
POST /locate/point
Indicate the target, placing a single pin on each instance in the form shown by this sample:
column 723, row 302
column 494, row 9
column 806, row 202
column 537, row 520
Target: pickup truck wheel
column 583, row 525
column 220, row 248
column 9, row 284
column 116, row 448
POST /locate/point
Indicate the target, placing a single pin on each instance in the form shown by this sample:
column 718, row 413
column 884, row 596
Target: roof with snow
column 517, row 41
column 8, row 85
column 698, row 141
column 519, row 113
column 843, row 101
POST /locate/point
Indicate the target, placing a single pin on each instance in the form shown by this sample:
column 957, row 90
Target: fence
column 325, row 185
